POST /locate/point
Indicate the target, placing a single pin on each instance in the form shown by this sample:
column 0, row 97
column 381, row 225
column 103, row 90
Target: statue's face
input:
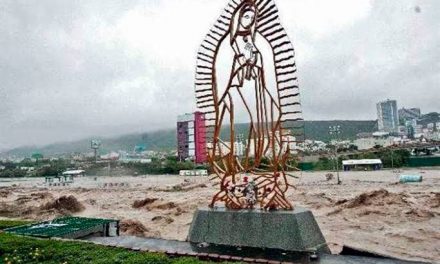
column 247, row 19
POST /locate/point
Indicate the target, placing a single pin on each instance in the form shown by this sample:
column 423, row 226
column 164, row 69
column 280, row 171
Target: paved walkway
column 180, row 248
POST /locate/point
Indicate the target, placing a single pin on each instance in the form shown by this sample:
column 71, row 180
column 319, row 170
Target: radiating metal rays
column 259, row 177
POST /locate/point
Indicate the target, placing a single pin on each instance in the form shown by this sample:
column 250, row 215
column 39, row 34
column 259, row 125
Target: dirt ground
column 369, row 210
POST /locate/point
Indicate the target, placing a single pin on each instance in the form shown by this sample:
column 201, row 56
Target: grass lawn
column 11, row 223
column 19, row 249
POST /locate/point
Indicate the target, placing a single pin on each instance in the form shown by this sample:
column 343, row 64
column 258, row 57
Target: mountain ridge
column 165, row 139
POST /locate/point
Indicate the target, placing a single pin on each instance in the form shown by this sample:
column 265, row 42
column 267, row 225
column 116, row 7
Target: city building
column 241, row 146
column 406, row 114
column 191, row 137
column 381, row 139
column 387, row 116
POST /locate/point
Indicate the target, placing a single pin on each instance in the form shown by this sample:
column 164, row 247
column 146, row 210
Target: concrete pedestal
column 295, row 230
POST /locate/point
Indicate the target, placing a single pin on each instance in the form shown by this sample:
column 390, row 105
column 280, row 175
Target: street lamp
column 335, row 131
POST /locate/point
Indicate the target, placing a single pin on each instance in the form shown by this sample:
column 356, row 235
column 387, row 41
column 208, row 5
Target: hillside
column 158, row 140
column 166, row 139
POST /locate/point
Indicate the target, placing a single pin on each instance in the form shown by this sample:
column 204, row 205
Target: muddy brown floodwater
column 369, row 210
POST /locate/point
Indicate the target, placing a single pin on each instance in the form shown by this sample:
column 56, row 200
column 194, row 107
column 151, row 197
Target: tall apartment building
column 191, row 137
column 387, row 117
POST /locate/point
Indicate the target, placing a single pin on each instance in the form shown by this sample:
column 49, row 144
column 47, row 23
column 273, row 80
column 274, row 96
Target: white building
column 240, row 148
column 371, row 142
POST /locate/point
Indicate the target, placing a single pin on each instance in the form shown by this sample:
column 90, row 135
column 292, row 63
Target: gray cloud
column 72, row 69
column 392, row 53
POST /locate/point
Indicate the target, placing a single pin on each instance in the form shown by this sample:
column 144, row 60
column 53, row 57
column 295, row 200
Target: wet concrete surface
column 241, row 254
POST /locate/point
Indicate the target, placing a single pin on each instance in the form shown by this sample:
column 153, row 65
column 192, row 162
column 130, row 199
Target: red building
column 191, row 137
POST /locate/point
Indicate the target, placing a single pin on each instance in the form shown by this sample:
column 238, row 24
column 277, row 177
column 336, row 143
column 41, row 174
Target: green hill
column 158, row 140
column 166, row 139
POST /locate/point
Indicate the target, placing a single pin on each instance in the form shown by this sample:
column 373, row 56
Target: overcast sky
column 70, row 69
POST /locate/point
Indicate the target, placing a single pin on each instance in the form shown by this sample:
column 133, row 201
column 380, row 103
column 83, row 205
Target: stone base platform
column 294, row 231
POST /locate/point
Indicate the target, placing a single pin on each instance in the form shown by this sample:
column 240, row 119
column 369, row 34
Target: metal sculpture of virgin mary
column 258, row 175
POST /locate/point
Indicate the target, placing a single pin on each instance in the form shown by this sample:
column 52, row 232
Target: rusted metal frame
column 268, row 15
column 217, row 136
column 270, row 182
column 277, row 28
column 272, row 127
column 263, row 92
column 203, row 59
column 257, row 131
column 232, row 135
column 285, row 59
column 275, row 128
column 285, row 42
column 289, row 87
column 251, row 128
column 216, row 144
column 204, row 90
column 280, row 110
column 287, row 72
column 284, row 162
column 204, row 67
column 293, row 65
column 266, row 11
column 281, row 198
column 261, row 114
column 204, row 79
column 276, row 38
column 284, row 51
column 251, row 131
column 239, row 164
column 287, row 80
column 230, row 82
column 267, row 21
column 205, row 106
column 218, row 169
column 214, row 88
column 264, row 6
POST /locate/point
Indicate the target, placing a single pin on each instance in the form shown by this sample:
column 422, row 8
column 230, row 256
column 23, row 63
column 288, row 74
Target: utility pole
column 335, row 131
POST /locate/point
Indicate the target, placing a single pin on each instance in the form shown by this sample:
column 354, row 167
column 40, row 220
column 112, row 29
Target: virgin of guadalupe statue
column 259, row 175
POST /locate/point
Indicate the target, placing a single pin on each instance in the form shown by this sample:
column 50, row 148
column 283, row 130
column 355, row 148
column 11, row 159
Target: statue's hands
column 254, row 58
column 242, row 60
